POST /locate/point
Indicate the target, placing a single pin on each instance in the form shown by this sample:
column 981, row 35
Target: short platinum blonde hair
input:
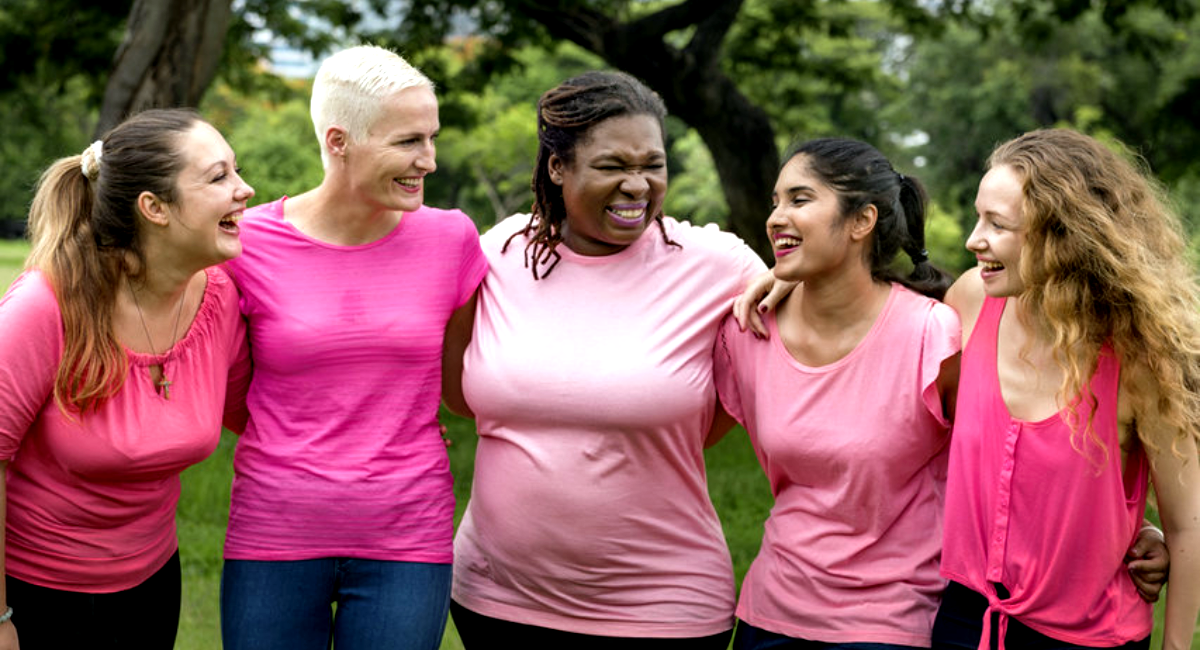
column 350, row 86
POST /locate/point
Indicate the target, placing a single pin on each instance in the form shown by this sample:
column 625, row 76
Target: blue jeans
column 755, row 638
column 287, row 605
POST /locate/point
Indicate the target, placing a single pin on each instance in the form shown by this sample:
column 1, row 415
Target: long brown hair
column 1104, row 262
column 84, row 234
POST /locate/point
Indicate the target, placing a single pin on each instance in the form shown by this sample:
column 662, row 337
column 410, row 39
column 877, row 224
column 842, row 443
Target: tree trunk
column 168, row 57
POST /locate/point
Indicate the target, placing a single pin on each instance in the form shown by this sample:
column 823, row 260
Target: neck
column 328, row 214
column 162, row 284
column 837, row 302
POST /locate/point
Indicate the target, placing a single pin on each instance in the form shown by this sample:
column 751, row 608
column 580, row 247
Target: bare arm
column 1175, row 472
column 8, row 631
column 457, row 338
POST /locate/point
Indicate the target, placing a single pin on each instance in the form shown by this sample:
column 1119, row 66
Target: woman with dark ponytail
column 847, row 403
column 118, row 343
column 848, row 399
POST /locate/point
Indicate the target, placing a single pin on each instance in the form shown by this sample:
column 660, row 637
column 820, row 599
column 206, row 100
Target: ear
column 863, row 223
column 152, row 209
column 336, row 140
column 555, row 166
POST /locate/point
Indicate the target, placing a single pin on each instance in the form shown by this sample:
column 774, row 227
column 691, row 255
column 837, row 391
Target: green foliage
column 1133, row 75
column 48, row 126
column 274, row 141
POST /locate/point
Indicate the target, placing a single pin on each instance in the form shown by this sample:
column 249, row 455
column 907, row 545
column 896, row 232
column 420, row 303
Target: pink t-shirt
column 593, row 393
column 855, row 452
column 342, row 456
column 1026, row 510
column 91, row 497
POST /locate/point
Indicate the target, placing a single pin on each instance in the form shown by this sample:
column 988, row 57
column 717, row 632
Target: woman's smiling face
column 999, row 233
column 614, row 186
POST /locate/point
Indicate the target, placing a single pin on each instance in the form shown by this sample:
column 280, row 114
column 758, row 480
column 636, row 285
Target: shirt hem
column 596, row 627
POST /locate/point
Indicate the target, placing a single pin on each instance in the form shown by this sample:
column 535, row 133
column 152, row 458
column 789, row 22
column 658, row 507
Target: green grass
column 738, row 488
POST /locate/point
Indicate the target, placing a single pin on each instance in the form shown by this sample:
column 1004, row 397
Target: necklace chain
column 163, row 385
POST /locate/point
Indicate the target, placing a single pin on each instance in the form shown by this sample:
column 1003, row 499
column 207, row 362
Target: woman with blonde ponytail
column 118, row 343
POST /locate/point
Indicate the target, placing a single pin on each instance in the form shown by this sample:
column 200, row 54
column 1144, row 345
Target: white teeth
column 627, row 214
column 409, row 182
column 786, row 242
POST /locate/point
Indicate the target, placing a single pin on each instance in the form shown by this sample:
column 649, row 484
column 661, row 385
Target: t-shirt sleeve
column 942, row 340
column 30, row 352
column 474, row 264
column 724, row 370
column 238, row 382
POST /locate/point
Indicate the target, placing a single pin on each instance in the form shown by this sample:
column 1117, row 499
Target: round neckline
column 780, row 348
column 394, row 232
column 150, row 359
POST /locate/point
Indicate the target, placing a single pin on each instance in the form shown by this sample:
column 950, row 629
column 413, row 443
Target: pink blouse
column 91, row 497
column 1026, row 510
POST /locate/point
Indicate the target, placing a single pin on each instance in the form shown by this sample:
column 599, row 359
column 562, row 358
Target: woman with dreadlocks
column 590, row 376
column 1079, row 385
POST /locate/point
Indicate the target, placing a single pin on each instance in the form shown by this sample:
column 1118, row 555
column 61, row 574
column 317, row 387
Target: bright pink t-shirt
column 1026, row 510
column 855, row 452
column 91, row 498
column 342, row 456
column 593, row 393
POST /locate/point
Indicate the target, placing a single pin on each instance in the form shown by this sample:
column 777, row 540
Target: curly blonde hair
column 1104, row 261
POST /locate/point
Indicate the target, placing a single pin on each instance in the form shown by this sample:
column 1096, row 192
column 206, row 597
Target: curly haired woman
column 1079, row 384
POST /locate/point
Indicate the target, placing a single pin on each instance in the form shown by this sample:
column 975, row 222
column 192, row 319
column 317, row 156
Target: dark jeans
column 755, row 638
column 288, row 605
column 479, row 631
column 959, row 624
column 145, row 617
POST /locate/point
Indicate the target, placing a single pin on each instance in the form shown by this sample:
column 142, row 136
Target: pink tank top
column 1026, row 510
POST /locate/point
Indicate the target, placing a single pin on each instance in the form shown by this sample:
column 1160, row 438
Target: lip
column 411, row 189
column 627, row 222
column 236, row 215
column 786, row 250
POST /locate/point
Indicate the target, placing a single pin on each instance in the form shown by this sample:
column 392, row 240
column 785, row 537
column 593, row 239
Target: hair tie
column 901, row 177
column 89, row 162
column 920, row 257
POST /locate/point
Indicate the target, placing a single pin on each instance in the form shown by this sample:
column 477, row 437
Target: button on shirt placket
column 999, row 541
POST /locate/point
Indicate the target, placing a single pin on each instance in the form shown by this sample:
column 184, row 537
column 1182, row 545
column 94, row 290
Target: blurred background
column 935, row 84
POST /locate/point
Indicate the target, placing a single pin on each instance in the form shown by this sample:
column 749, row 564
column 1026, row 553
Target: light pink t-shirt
column 855, row 452
column 593, row 393
column 343, row 456
column 1027, row 510
column 91, row 498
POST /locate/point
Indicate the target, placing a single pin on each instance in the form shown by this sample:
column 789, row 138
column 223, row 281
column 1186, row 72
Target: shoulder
column 935, row 317
column 710, row 242
column 30, row 296
column 493, row 238
column 966, row 297
column 451, row 223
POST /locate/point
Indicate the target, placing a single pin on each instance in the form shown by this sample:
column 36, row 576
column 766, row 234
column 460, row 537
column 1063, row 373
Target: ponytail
column 84, row 278
column 925, row 278
column 83, row 227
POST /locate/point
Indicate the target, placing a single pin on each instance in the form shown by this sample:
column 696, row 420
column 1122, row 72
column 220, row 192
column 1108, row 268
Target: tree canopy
column 934, row 84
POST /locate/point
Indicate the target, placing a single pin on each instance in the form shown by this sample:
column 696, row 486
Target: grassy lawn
column 738, row 488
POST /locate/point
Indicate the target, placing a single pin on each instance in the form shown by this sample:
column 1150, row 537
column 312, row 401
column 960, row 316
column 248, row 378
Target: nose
column 635, row 183
column 427, row 158
column 976, row 241
column 774, row 219
column 244, row 192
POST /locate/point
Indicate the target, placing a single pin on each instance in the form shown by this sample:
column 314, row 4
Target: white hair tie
column 90, row 160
